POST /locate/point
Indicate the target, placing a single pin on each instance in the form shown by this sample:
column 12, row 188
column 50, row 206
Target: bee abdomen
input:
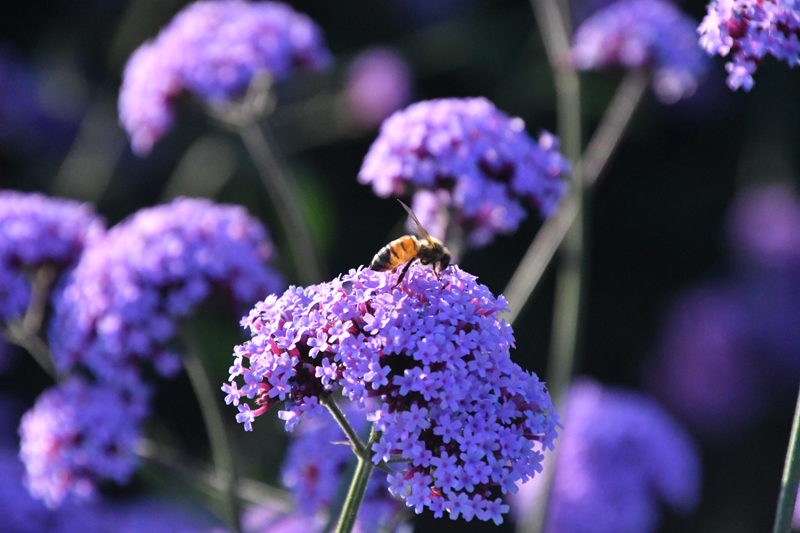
column 395, row 253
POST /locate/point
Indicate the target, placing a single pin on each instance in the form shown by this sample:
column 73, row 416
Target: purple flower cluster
column 378, row 84
column 428, row 360
column 314, row 468
column 121, row 305
column 36, row 231
column 484, row 161
column 213, row 49
column 621, row 455
column 639, row 33
column 749, row 30
column 727, row 353
column 77, row 433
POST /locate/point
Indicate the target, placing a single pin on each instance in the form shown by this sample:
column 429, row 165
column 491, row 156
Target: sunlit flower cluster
column 213, row 49
column 749, row 30
column 485, row 164
column 428, row 360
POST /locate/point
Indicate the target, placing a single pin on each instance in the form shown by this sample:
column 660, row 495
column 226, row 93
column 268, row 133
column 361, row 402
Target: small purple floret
column 640, row 33
column 213, row 49
column 747, row 31
column 470, row 419
column 482, row 166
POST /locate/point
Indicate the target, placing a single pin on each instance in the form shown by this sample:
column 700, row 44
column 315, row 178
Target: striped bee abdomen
column 395, row 253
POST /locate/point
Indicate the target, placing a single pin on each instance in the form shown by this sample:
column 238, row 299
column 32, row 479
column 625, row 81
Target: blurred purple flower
column 749, row 30
column 154, row 515
column 314, row 466
column 702, row 369
column 643, row 33
column 620, row 456
column 378, row 84
column 213, row 49
column 764, row 227
column 121, row 305
column 485, row 160
column 428, row 360
column 77, row 434
column 35, row 231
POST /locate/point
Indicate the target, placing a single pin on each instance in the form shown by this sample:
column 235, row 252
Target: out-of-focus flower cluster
column 378, row 84
column 749, row 30
column 728, row 350
column 643, row 33
column 429, row 362
column 38, row 231
column 315, row 465
column 77, row 433
column 213, row 49
column 621, row 455
column 122, row 304
column 481, row 166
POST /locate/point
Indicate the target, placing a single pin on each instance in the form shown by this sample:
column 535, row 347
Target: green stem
column 599, row 151
column 355, row 442
column 791, row 476
column 215, row 427
column 296, row 232
column 358, row 488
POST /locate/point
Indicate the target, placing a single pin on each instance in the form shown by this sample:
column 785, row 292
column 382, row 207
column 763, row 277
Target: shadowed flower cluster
column 643, row 33
column 482, row 165
column 123, row 301
column 748, row 30
column 429, row 362
column 621, row 454
column 213, row 49
column 315, row 465
column 77, row 433
column 727, row 353
column 38, row 231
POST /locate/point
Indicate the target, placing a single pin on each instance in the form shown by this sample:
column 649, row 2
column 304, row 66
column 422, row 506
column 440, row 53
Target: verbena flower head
column 486, row 162
column 429, row 362
column 378, row 84
column 36, row 231
column 746, row 31
column 315, row 465
column 620, row 456
column 77, row 434
column 121, row 305
column 643, row 33
column 213, row 49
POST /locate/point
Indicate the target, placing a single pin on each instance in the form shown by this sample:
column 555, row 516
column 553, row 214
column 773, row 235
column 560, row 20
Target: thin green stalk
column 599, row 151
column 355, row 442
column 295, row 230
column 357, row 490
column 791, row 476
column 215, row 428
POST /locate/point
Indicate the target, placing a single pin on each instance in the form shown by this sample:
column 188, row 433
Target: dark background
column 657, row 218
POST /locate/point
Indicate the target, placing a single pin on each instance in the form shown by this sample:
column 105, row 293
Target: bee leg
column 403, row 272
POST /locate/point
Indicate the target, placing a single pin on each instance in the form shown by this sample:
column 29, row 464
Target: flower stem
column 355, row 442
column 599, row 151
column 25, row 331
column 358, row 488
column 215, row 427
column 296, row 232
column 791, row 476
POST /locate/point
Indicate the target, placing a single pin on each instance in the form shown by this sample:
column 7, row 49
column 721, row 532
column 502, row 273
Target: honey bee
column 409, row 248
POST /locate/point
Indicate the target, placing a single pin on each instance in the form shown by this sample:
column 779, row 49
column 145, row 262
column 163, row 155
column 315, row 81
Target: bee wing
column 422, row 231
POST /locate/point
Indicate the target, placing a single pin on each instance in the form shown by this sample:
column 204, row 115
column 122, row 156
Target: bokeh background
column 659, row 221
